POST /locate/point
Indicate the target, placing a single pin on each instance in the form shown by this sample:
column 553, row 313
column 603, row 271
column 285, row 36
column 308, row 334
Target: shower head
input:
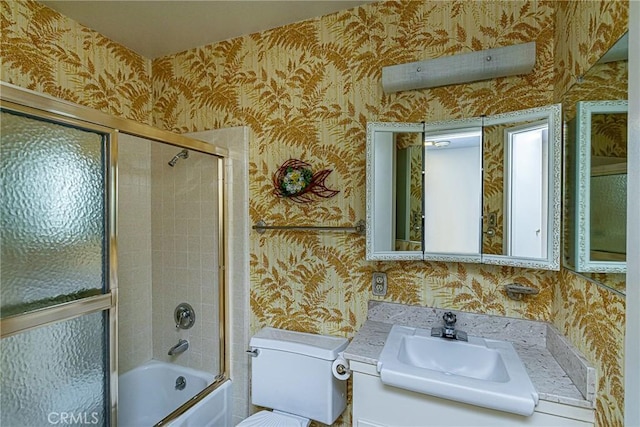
column 184, row 154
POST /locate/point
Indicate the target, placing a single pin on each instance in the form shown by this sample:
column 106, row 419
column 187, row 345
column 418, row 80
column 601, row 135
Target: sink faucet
column 181, row 347
column 449, row 330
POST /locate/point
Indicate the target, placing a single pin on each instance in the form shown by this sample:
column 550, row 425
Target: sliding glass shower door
column 57, row 286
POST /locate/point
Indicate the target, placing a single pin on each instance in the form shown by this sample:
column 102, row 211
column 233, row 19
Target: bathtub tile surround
column 166, row 258
column 557, row 370
column 185, row 255
column 236, row 140
column 134, row 253
column 321, row 283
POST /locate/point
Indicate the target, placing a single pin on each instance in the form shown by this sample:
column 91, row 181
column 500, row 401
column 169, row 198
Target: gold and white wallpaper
column 44, row 51
column 306, row 91
column 586, row 30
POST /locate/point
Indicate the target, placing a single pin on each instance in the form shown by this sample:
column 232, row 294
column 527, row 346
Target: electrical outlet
column 379, row 284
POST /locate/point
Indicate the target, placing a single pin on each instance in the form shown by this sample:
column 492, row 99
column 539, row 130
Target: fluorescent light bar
column 464, row 68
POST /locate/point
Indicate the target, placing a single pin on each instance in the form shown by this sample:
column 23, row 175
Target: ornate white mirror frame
column 550, row 232
column 380, row 189
column 585, row 170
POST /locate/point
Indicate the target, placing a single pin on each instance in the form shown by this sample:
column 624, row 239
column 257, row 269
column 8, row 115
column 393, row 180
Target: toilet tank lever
column 253, row 353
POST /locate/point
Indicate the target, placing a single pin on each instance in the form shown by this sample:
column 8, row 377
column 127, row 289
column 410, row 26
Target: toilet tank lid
column 324, row 347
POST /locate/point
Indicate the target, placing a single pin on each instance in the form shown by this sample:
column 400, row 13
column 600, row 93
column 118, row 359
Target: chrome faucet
column 181, row 347
column 449, row 330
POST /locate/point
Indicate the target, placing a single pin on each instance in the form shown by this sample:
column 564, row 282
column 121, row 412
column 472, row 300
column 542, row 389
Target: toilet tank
column 292, row 373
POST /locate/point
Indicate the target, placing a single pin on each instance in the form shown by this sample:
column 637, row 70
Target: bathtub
column 148, row 393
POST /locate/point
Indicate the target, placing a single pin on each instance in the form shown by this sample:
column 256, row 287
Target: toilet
column 291, row 374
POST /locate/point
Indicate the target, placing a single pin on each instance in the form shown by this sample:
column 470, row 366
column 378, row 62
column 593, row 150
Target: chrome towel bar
column 262, row 226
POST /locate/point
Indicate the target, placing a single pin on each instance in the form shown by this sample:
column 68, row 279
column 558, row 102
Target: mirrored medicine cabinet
column 600, row 187
column 478, row 190
column 595, row 176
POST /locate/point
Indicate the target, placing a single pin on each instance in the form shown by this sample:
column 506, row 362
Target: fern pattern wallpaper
column 49, row 53
column 306, row 91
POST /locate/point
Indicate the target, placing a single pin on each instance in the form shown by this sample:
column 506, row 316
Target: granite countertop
column 558, row 372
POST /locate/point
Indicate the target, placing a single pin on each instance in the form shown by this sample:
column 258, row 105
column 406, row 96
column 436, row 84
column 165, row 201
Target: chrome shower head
column 184, row 154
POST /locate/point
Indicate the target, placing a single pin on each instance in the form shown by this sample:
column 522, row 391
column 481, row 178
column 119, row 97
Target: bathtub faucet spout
column 181, row 347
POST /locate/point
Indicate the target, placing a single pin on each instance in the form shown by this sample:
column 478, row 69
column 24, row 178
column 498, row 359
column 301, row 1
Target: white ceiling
column 157, row 28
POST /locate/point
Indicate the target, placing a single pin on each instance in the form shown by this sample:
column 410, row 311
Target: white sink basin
column 480, row 372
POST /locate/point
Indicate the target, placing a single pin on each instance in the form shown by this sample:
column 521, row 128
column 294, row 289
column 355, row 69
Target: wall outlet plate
column 379, row 284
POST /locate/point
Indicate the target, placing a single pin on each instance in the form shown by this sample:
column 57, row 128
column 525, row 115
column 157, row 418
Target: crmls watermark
column 73, row 418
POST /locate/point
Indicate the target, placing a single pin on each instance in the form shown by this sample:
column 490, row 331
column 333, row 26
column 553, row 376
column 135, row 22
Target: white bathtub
column 148, row 393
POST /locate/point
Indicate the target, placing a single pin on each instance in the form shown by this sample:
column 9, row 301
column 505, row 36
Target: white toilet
column 291, row 374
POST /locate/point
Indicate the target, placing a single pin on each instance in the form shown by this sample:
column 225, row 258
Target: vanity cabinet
column 376, row 405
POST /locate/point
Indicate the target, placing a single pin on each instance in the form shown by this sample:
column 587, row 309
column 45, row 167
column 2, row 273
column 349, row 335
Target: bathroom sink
column 480, row 371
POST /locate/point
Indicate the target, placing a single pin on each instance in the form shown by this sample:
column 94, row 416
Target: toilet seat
column 274, row 419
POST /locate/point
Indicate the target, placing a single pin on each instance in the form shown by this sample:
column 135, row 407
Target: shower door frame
column 46, row 107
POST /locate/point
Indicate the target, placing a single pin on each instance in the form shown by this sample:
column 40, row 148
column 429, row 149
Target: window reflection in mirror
column 516, row 189
column 521, row 188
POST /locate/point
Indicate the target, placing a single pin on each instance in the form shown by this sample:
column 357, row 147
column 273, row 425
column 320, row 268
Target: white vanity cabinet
column 376, row 405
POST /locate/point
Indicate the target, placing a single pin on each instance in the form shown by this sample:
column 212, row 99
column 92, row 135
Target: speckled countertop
column 558, row 372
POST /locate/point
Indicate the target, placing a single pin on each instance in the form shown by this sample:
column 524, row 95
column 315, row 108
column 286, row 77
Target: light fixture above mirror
column 461, row 68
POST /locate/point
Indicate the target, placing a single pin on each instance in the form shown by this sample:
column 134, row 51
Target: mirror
column 408, row 192
column 453, row 189
column 390, row 173
column 425, row 185
column 595, row 168
column 522, row 188
column 601, row 191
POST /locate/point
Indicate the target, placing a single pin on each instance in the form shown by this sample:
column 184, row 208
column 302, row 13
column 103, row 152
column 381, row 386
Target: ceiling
column 158, row 28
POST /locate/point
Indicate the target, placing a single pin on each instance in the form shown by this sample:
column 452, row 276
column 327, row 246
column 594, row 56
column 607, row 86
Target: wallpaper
column 600, row 83
column 586, row 30
column 49, row 53
column 306, row 91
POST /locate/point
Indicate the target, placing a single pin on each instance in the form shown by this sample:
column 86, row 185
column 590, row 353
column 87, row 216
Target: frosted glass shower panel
column 52, row 216
column 54, row 373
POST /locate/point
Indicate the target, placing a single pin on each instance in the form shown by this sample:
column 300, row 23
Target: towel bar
column 262, row 226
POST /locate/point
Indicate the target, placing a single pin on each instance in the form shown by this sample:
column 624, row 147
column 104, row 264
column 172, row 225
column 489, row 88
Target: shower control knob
column 184, row 316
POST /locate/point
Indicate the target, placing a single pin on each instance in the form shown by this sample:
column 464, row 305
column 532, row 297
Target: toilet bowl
column 291, row 375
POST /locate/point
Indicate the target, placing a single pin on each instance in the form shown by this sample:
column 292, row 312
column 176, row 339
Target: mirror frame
column 584, row 111
column 374, row 202
column 553, row 115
